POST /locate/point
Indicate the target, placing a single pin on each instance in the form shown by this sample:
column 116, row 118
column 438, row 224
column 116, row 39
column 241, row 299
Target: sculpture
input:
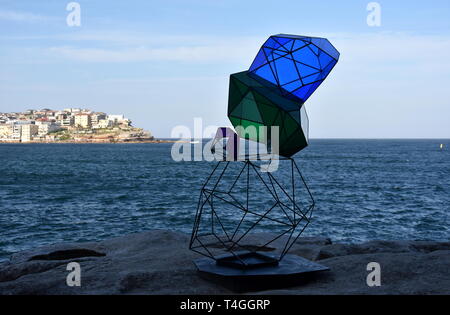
column 284, row 74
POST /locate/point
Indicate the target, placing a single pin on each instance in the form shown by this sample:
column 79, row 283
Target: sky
column 163, row 63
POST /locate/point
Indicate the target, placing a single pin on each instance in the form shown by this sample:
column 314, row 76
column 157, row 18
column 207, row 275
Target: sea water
column 364, row 190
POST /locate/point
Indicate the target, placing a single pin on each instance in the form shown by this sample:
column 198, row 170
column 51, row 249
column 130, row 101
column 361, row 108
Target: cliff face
column 158, row 262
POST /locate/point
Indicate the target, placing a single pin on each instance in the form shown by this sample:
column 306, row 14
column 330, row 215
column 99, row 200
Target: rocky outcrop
column 158, row 262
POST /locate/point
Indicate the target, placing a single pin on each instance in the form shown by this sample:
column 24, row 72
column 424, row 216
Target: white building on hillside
column 28, row 132
column 46, row 127
column 83, row 120
column 6, row 131
column 104, row 123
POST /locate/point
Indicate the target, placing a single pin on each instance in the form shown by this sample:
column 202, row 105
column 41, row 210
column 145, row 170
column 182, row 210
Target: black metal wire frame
column 231, row 243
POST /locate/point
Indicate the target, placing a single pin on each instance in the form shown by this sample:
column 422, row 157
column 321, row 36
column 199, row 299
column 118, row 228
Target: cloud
column 17, row 16
column 183, row 50
column 366, row 54
column 385, row 85
column 140, row 54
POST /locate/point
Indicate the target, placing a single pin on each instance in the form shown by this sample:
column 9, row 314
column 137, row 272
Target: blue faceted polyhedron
column 297, row 65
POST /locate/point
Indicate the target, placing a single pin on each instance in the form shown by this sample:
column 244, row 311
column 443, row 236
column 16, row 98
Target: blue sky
column 162, row 63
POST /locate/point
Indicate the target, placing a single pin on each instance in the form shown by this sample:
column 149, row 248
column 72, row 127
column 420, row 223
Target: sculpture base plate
column 247, row 260
column 291, row 271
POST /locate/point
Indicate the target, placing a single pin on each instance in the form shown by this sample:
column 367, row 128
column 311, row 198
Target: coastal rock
column 159, row 262
column 370, row 247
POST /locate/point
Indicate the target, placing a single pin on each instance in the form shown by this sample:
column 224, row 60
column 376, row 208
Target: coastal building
column 28, row 132
column 83, row 120
column 6, row 131
column 44, row 113
column 73, row 110
column 116, row 119
column 47, row 127
column 17, row 128
column 67, row 121
column 60, row 116
column 82, row 124
column 49, row 113
column 16, row 132
column 96, row 117
column 86, row 111
column 104, row 123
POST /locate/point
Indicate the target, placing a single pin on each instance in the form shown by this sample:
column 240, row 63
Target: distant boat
column 442, row 146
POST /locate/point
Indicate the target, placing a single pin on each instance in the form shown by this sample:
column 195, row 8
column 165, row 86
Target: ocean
column 364, row 190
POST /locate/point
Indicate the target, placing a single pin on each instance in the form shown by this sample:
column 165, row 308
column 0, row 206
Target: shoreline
column 138, row 264
column 95, row 142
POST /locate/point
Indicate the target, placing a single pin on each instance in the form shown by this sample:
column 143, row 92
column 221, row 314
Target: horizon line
column 325, row 138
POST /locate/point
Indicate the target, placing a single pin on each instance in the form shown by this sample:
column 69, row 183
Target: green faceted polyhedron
column 251, row 103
